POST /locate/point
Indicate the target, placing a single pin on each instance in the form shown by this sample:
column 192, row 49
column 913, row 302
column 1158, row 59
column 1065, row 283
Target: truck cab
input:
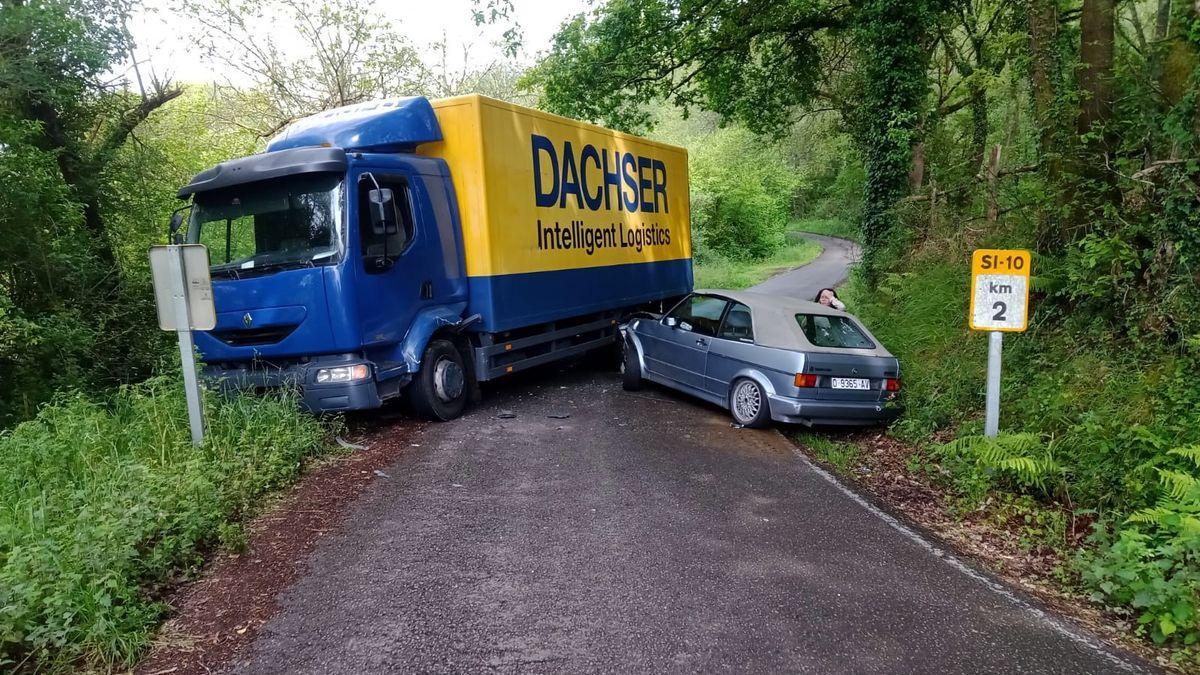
column 309, row 289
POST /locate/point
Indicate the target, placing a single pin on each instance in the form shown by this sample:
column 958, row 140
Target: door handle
column 701, row 342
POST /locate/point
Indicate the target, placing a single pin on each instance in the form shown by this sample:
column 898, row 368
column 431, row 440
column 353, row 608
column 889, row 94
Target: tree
column 758, row 63
column 68, row 106
column 56, row 57
column 351, row 56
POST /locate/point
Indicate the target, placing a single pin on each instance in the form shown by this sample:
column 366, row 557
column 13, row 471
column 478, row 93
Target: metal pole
column 991, row 425
column 187, row 354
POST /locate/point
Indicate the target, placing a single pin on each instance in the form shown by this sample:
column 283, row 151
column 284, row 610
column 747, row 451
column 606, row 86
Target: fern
column 1024, row 457
column 1180, row 486
column 1191, row 453
column 1178, row 508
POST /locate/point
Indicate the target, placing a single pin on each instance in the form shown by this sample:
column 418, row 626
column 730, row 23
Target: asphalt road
column 828, row 270
column 568, row 526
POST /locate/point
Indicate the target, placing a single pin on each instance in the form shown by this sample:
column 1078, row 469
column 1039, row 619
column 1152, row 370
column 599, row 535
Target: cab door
column 393, row 271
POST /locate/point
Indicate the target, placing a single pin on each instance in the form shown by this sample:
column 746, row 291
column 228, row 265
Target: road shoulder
column 875, row 467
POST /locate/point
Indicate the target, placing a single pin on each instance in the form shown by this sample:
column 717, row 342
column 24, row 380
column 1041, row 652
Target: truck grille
column 254, row 336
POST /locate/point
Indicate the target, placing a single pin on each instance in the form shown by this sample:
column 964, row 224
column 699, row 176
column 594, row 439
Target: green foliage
column 830, row 227
column 1153, row 563
column 742, row 193
column 718, row 272
column 104, row 503
column 1023, row 461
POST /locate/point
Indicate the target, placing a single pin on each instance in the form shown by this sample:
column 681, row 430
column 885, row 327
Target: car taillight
column 892, row 384
column 806, row 380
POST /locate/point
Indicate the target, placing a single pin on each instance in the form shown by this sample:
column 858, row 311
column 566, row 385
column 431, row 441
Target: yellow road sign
column 1000, row 290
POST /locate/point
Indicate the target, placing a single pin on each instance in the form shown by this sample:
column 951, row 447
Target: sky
column 162, row 38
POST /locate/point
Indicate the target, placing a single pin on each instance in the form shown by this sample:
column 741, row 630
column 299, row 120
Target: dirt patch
column 217, row 616
column 881, row 469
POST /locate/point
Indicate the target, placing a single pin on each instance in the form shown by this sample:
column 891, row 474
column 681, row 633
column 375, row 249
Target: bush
column 104, row 504
column 742, row 195
column 1153, row 564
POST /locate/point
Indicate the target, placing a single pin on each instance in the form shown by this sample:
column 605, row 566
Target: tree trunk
column 1097, row 36
column 916, row 175
column 979, row 125
column 1043, row 32
column 993, row 181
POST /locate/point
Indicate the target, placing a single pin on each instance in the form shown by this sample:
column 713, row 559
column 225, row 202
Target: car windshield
column 260, row 227
column 833, row 331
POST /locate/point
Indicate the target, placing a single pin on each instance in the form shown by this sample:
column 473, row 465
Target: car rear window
column 833, row 331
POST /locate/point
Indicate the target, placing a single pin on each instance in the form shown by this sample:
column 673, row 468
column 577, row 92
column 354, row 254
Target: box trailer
column 421, row 247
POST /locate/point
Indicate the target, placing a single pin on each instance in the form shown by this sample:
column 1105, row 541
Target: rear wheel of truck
column 631, row 372
column 439, row 391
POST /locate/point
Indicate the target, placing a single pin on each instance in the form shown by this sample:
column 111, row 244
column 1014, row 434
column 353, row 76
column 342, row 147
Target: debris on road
column 381, row 474
column 506, row 415
column 348, row 445
column 559, row 416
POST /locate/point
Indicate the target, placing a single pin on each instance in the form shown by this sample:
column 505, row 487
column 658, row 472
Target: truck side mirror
column 173, row 228
column 671, row 322
column 382, row 205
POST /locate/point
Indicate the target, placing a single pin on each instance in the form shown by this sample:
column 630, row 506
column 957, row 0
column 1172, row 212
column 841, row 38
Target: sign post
column 999, row 304
column 183, row 295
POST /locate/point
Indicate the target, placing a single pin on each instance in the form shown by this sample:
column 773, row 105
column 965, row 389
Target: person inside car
column 829, row 298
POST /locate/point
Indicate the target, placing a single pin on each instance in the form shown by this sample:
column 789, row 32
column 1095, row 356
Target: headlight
column 343, row 374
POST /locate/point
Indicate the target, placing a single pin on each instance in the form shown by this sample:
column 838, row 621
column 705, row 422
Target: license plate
column 849, row 383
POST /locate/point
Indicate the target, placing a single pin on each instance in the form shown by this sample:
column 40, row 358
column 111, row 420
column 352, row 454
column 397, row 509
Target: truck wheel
column 748, row 404
column 631, row 372
column 439, row 391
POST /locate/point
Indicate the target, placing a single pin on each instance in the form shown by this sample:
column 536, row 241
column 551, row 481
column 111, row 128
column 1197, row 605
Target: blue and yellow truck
column 420, row 247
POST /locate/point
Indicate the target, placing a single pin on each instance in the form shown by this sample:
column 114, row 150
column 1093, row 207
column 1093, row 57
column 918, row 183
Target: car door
column 728, row 351
column 684, row 337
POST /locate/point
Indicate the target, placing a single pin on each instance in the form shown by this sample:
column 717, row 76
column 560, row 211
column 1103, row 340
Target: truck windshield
column 262, row 227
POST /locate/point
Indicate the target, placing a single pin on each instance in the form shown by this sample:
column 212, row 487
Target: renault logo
column 247, row 319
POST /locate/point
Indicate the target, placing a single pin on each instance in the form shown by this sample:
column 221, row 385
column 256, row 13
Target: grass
column 719, row 272
column 105, row 505
column 837, row 454
column 830, row 227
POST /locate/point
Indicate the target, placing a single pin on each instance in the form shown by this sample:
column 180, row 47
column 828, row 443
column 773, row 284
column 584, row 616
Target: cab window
column 381, row 250
column 699, row 314
column 737, row 325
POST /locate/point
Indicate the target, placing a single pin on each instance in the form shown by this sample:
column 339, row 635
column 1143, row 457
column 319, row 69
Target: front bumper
column 325, row 397
column 838, row 413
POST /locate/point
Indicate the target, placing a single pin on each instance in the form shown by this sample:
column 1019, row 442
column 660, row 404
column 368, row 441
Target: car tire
column 439, row 391
column 748, row 404
column 631, row 370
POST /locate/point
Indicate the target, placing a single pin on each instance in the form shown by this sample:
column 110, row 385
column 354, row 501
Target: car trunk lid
column 827, row 366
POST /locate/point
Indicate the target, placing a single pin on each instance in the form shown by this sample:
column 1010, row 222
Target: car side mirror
column 382, row 205
column 671, row 322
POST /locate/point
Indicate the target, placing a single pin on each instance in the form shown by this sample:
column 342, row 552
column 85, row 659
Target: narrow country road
column 568, row 526
column 830, row 269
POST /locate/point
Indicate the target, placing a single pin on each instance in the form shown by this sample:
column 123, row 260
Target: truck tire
column 748, row 404
column 439, row 391
column 631, row 371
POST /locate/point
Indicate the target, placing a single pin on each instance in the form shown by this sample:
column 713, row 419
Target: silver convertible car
column 766, row 358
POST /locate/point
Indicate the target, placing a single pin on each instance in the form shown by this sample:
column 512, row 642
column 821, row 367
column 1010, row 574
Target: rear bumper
column 840, row 413
column 330, row 397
